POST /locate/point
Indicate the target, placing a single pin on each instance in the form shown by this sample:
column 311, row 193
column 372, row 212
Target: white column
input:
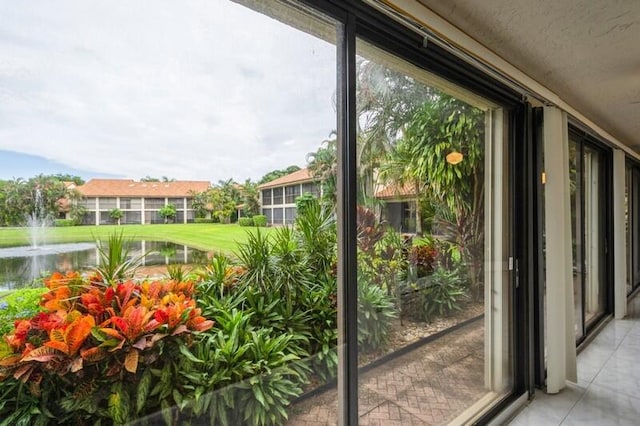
column 142, row 208
column 184, row 209
column 619, row 235
column 97, row 211
column 560, row 309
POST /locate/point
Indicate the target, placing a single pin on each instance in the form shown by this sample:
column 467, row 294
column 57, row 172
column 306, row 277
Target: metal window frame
column 356, row 19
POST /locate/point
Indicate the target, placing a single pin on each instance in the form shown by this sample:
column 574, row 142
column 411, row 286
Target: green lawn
column 204, row 236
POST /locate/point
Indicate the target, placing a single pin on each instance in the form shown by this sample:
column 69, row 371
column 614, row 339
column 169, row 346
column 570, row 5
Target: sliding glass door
column 589, row 216
column 632, row 219
column 434, row 304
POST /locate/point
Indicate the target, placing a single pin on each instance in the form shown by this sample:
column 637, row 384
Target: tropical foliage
column 18, row 197
column 94, row 350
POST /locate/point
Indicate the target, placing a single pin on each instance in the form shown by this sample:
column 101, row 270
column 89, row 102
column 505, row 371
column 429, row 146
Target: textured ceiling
column 587, row 52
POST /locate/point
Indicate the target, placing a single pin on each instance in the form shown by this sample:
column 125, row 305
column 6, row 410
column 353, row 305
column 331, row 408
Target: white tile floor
column 608, row 388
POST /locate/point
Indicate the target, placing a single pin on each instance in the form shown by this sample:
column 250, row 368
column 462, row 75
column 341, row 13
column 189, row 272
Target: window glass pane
column 587, row 165
column 153, row 203
column 292, row 192
column 89, row 203
column 154, row 104
column 311, row 188
column 266, row 197
column 105, row 218
column 131, row 217
column 268, row 214
column 106, row 203
column 130, row 203
column 423, row 148
column 178, row 203
column 290, row 215
column 278, row 216
column 577, row 235
column 277, row 196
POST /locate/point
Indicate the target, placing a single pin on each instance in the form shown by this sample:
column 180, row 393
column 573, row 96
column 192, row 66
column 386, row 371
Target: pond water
column 20, row 266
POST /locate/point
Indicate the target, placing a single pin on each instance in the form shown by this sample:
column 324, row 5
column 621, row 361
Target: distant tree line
column 18, row 197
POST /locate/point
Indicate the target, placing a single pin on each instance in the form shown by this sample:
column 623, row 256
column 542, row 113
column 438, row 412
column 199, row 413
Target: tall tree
column 323, row 166
column 442, row 126
column 22, row 197
column 250, row 198
column 386, row 100
column 275, row 174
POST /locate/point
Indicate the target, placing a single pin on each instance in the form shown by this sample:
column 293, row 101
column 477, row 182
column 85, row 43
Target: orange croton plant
column 87, row 322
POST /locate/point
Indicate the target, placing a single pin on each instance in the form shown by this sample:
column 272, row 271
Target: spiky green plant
column 115, row 261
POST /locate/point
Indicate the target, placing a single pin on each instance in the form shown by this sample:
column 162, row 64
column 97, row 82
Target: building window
column 266, row 197
column 153, row 203
column 89, row 218
column 152, row 217
column 290, row 214
column 178, row 203
column 278, row 216
column 268, row 214
column 277, row 196
column 292, row 192
column 311, row 188
column 130, row 203
column 106, row 203
column 131, row 217
column 105, row 218
column 88, row 203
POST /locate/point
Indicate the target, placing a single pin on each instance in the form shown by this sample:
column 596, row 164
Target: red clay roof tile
column 301, row 176
column 131, row 188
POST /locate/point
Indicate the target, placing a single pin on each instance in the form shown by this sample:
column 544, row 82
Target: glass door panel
column 588, row 226
column 575, row 174
column 434, row 298
column 594, row 291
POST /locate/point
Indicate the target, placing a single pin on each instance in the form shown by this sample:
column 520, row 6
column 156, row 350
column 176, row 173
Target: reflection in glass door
column 434, row 305
column 587, row 165
column 632, row 219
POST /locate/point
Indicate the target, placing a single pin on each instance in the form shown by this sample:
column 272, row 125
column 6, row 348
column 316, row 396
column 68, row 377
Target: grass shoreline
column 203, row 236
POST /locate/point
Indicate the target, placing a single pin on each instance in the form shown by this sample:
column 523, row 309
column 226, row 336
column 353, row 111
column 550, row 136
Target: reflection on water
column 20, row 266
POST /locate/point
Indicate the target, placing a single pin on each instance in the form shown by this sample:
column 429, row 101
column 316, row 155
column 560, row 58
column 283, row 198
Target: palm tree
column 455, row 191
column 323, row 165
column 386, row 102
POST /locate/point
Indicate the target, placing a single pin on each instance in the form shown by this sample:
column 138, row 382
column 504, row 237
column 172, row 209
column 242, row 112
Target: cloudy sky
column 185, row 89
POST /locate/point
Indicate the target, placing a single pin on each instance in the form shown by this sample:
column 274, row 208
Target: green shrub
column 116, row 214
column 423, row 258
column 303, row 201
column 20, row 304
column 245, row 221
column 114, row 258
column 63, row 222
column 203, row 220
column 247, row 374
column 442, row 294
column 375, row 314
column 260, row 220
column 323, row 323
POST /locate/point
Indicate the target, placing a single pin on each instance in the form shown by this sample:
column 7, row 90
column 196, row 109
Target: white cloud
column 191, row 90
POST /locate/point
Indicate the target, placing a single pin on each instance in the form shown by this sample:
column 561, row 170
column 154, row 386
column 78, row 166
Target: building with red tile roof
column 399, row 209
column 278, row 197
column 140, row 202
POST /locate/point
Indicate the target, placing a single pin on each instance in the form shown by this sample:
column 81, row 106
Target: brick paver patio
column 430, row 385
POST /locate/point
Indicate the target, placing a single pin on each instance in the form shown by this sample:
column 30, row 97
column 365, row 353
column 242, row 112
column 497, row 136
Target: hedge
column 260, row 220
column 245, row 221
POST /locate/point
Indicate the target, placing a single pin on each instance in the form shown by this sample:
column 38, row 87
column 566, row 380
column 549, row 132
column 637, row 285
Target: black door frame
column 360, row 21
column 584, row 140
